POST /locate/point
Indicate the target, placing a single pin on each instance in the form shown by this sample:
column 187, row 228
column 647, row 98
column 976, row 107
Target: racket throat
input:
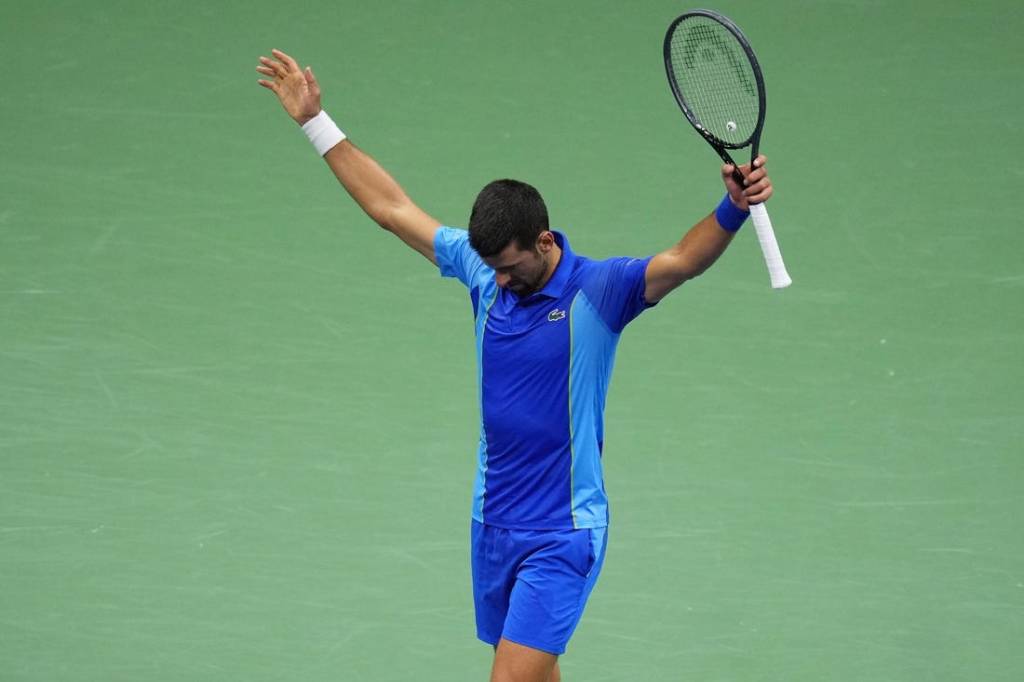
column 736, row 174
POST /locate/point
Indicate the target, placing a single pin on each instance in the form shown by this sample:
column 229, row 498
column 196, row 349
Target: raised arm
column 701, row 246
column 371, row 186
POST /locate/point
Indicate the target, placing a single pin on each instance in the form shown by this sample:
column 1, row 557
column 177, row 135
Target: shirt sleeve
column 618, row 291
column 456, row 258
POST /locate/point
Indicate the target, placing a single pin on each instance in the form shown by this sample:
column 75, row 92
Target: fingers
column 296, row 89
column 272, row 67
column 759, row 191
column 732, row 174
column 280, row 67
column 757, row 186
column 290, row 63
column 314, row 87
column 732, row 184
column 757, row 171
column 267, row 71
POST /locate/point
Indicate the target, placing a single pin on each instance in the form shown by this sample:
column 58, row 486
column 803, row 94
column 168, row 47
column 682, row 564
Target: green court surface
column 238, row 421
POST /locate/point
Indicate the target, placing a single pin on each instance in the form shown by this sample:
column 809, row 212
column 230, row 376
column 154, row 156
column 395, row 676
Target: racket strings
column 715, row 78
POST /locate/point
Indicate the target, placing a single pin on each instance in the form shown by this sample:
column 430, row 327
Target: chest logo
column 556, row 315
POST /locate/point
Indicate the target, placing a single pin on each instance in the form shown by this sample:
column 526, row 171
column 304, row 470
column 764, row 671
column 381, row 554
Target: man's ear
column 545, row 241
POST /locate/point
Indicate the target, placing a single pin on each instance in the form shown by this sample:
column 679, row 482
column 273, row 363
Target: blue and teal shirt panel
column 543, row 366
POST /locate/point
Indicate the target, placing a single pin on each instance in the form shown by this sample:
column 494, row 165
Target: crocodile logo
column 556, row 315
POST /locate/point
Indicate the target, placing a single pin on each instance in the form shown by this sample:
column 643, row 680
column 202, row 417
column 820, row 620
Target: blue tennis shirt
column 543, row 365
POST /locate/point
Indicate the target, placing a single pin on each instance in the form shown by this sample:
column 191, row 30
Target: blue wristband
column 729, row 217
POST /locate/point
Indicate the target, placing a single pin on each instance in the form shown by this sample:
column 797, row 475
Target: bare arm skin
column 701, row 246
column 376, row 192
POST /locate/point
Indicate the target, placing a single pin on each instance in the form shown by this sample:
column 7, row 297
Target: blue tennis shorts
column 530, row 586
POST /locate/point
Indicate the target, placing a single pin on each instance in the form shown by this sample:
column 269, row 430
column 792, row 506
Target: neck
column 554, row 257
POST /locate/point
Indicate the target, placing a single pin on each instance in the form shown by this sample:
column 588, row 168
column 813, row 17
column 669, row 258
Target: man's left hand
column 758, row 187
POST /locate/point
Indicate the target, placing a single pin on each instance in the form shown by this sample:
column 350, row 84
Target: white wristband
column 322, row 132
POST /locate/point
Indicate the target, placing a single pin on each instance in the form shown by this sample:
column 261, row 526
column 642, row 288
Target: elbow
column 697, row 266
column 697, row 270
column 689, row 268
column 385, row 215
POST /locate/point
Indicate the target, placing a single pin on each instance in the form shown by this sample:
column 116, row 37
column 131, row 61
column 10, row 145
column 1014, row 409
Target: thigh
column 517, row 663
column 495, row 559
column 552, row 586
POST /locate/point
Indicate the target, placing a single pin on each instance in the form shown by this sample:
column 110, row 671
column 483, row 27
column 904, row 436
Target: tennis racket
column 717, row 82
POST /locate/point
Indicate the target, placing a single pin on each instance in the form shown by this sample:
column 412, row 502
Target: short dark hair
column 506, row 211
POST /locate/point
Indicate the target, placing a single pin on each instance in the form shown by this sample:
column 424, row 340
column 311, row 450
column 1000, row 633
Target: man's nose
column 502, row 279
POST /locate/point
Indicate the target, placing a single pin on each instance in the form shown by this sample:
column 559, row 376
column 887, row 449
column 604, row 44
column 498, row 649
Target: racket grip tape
column 769, row 247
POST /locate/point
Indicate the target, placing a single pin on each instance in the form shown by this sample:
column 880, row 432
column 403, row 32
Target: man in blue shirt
column 547, row 324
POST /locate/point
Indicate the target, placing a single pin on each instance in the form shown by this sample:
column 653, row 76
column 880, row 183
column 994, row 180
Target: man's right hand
column 371, row 186
column 296, row 88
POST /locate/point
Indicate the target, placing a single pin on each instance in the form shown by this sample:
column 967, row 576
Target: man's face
column 520, row 271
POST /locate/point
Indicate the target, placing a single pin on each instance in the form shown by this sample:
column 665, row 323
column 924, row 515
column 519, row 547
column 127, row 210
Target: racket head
column 716, row 79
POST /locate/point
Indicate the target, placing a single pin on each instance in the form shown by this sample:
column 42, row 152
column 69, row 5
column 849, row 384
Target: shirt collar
column 563, row 271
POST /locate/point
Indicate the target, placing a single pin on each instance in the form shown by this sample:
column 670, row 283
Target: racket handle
column 769, row 247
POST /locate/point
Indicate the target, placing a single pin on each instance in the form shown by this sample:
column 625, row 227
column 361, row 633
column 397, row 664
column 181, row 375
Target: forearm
column 708, row 239
column 697, row 251
column 376, row 192
column 382, row 198
column 700, row 247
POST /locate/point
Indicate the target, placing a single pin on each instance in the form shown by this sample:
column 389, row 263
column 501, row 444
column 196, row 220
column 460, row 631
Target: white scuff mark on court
column 136, row 452
column 333, row 328
column 106, row 389
column 32, row 292
column 209, row 536
column 436, row 611
column 628, row 638
column 401, row 553
column 1010, row 279
column 149, row 444
column 65, row 65
column 827, row 463
column 903, row 503
column 137, row 337
column 34, row 529
column 328, row 657
column 180, row 369
column 101, row 241
column 141, row 112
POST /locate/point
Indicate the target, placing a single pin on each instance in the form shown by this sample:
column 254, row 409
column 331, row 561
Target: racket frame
column 718, row 144
column 762, row 223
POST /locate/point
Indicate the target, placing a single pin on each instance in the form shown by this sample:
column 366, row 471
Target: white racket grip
column 769, row 247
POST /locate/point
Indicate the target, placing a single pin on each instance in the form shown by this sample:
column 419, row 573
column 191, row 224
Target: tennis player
column 547, row 324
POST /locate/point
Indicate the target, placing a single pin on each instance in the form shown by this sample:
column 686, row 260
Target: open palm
column 296, row 88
